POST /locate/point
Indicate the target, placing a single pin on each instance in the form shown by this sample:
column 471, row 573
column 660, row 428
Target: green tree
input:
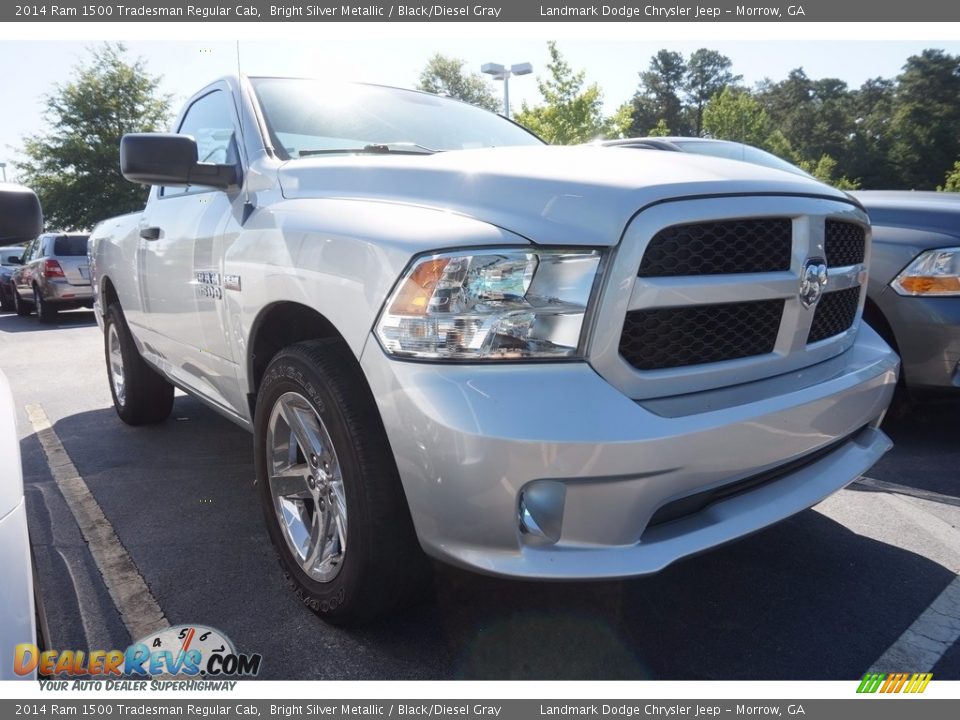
column 868, row 148
column 74, row 167
column 825, row 170
column 660, row 129
column 736, row 115
column 925, row 127
column 658, row 95
column 952, row 181
column 572, row 111
column 444, row 75
column 708, row 73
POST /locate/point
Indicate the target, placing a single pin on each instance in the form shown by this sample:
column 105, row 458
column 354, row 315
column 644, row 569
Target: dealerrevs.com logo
column 180, row 652
column 894, row 682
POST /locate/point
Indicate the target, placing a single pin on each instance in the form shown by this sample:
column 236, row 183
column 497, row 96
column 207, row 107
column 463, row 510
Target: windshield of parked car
column 309, row 117
column 738, row 151
column 70, row 245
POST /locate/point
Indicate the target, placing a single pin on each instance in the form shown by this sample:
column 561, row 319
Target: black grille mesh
column 675, row 337
column 719, row 248
column 845, row 243
column 835, row 314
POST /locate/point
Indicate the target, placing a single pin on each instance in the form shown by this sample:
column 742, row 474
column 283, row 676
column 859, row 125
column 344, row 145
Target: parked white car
column 19, row 219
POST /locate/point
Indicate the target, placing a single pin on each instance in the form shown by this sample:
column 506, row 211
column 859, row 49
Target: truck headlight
column 934, row 272
column 491, row 305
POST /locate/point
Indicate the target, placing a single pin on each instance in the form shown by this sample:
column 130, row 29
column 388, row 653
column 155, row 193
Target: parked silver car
column 913, row 294
column 9, row 260
column 54, row 275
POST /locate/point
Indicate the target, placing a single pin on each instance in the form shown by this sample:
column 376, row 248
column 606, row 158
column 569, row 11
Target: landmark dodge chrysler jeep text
column 531, row 361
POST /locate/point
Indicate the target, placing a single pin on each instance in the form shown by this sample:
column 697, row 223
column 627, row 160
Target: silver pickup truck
column 446, row 336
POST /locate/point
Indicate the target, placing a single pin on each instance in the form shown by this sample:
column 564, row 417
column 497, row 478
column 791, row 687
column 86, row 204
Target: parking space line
column 884, row 486
column 139, row 610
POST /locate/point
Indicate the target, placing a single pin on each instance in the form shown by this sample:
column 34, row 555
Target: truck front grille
column 844, row 243
column 674, row 337
column 835, row 314
column 719, row 248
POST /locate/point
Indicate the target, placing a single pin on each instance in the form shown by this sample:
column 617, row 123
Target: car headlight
column 934, row 272
column 491, row 305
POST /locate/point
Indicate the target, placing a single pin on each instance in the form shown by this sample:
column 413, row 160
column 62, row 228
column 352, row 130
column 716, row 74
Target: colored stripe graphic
column 894, row 682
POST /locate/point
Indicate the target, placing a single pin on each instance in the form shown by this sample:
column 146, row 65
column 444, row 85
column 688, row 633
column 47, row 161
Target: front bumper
column 927, row 330
column 16, row 590
column 470, row 440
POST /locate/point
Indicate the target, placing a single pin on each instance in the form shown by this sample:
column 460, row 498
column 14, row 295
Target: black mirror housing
column 20, row 215
column 170, row 159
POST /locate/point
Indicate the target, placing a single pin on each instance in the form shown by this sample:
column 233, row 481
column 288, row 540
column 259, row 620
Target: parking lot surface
column 866, row 579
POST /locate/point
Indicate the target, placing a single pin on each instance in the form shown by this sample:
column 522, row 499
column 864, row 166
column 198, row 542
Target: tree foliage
column 952, row 181
column 658, row 98
column 572, row 111
column 708, row 73
column 74, row 167
column 444, row 75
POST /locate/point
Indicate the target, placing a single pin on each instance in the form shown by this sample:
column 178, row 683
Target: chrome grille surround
column 625, row 291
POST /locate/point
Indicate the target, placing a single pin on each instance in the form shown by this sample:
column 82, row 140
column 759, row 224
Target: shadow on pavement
column 10, row 322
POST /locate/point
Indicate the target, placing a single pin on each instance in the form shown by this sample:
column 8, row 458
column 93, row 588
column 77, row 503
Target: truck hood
column 579, row 195
column 931, row 214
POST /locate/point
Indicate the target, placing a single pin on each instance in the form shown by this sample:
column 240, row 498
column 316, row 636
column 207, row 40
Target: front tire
column 332, row 498
column 141, row 395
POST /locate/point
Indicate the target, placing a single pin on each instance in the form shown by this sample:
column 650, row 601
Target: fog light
column 541, row 510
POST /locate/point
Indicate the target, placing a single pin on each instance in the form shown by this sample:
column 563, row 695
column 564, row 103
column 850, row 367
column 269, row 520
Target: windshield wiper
column 391, row 148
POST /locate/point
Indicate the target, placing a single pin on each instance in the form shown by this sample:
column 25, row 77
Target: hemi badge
column 231, row 282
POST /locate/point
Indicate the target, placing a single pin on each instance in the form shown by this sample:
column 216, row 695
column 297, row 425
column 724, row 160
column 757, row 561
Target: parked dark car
column 9, row 259
column 913, row 292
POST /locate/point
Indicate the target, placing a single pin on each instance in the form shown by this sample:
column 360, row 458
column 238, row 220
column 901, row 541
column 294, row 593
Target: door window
column 209, row 120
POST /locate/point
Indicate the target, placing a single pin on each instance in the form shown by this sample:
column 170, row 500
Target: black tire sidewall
column 45, row 311
column 18, row 305
column 289, row 373
column 112, row 317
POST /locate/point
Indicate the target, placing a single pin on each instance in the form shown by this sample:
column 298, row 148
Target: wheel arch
column 277, row 326
column 108, row 293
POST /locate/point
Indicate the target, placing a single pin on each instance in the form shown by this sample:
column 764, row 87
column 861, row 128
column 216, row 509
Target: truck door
column 180, row 260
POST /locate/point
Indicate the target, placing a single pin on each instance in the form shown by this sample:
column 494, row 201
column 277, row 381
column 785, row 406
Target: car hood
column 933, row 213
column 11, row 477
column 580, row 195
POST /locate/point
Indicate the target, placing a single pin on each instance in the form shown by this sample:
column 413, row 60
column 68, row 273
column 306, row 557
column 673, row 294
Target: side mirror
column 15, row 260
column 20, row 215
column 169, row 159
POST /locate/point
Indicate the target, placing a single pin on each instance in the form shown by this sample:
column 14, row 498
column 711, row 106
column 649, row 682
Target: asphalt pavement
column 824, row 595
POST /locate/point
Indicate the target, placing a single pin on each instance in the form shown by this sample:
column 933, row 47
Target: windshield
column 308, row 117
column 738, row 151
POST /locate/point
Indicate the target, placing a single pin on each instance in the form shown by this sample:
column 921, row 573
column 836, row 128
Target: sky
column 32, row 69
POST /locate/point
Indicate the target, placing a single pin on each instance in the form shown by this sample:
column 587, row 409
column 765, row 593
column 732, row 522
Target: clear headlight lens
column 934, row 272
column 491, row 305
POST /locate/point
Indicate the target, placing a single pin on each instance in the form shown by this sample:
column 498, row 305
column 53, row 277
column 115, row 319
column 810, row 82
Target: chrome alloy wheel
column 117, row 375
column 306, row 486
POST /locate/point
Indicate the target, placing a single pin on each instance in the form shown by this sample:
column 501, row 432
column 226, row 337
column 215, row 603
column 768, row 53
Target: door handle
column 150, row 233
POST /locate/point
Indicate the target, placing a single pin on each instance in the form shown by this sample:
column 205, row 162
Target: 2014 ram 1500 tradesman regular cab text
column 532, row 361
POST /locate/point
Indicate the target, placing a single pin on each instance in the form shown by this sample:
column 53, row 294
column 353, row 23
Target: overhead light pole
column 3, row 166
column 502, row 72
